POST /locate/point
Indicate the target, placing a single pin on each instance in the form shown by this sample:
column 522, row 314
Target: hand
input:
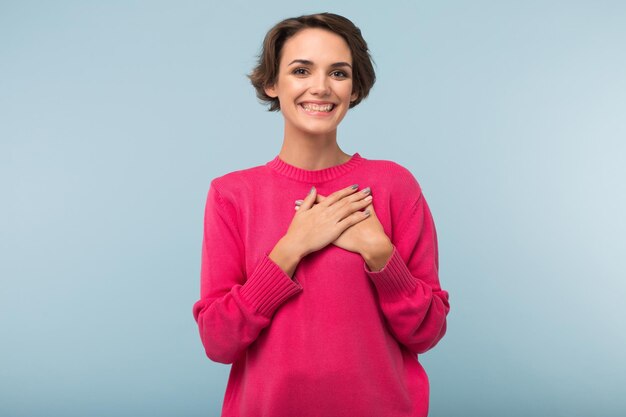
column 366, row 238
column 316, row 224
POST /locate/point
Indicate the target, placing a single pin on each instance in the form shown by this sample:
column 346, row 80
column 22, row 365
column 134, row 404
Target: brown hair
column 266, row 72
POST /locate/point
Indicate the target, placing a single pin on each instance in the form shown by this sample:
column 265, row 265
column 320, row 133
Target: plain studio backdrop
column 115, row 116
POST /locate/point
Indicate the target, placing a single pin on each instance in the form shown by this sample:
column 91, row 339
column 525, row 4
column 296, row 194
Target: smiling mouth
column 324, row 108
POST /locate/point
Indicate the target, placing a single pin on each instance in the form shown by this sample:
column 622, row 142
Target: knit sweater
column 336, row 339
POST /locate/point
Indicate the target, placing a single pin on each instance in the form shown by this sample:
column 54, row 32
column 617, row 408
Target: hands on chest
column 345, row 218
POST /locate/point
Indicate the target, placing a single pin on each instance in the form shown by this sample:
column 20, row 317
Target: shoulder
column 226, row 189
column 396, row 178
column 231, row 184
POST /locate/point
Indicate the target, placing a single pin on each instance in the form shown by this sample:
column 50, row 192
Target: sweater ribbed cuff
column 268, row 287
column 394, row 279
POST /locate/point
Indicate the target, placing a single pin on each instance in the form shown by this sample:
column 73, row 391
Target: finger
column 353, row 206
column 339, row 194
column 355, row 201
column 320, row 198
column 354, row 218
column 359, row 196
column 309, row 199
column 359, row 205
column 371, row 209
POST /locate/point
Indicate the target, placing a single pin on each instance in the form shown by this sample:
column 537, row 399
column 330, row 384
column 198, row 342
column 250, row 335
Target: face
column 314, row 83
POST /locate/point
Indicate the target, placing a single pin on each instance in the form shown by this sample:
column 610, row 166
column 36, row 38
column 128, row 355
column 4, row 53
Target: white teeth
column 318, row 107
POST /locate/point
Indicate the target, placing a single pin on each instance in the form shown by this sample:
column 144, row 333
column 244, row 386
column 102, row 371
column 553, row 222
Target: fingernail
column 366, row 190
column 355, row 186
column 366, row 212
column 311, row 190
column 299, row 202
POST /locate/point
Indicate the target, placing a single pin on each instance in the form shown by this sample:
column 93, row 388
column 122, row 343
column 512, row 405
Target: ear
column 270, row 90
column 353, row 97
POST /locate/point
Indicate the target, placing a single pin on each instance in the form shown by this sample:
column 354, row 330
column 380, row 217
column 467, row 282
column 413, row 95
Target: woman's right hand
column 314, row 226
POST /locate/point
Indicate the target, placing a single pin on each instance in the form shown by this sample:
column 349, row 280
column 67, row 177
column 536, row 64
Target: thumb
column 309, row 199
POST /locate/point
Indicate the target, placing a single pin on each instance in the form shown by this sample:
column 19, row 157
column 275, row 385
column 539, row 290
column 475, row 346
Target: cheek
column 294, row 87
column 346, row 91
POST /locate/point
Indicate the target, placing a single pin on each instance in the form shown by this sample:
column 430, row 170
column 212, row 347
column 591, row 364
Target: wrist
column 285, row 256
column 377, row 255
column 291, row 248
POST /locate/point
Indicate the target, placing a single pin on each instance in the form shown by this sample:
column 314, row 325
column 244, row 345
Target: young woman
column 322, row 307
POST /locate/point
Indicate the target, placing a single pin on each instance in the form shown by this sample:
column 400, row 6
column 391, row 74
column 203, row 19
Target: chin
column 320, row 131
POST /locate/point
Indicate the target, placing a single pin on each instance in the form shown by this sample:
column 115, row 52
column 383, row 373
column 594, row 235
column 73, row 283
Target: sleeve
column 409, row 293
column 234, row 307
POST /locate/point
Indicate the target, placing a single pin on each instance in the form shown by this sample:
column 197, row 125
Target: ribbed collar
column 314, row 176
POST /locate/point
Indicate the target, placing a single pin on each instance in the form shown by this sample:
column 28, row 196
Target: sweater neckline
column 317, row 175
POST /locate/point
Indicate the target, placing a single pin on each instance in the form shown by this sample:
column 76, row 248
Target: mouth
column 317, row 109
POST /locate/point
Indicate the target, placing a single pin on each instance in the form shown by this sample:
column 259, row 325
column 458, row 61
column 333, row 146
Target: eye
column 299, row 71
column 340, row 74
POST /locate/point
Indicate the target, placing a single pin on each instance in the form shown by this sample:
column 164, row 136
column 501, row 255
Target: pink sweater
column 338, row 339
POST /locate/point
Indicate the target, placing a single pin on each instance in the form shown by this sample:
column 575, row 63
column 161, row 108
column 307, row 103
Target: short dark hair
column 266, row 71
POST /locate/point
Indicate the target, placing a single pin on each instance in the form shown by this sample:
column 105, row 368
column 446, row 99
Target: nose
column 320, row 85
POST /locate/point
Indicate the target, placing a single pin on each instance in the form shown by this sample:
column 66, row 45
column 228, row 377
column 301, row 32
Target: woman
column 321, row 310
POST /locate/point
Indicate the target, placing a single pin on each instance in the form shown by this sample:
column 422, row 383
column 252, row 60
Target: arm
column 234, row 308
column 408, row 287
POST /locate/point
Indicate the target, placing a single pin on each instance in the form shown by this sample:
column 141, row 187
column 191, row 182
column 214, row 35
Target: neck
column 312, row 152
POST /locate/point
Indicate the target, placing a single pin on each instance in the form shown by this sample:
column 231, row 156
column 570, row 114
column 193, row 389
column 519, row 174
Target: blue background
column 115, row 116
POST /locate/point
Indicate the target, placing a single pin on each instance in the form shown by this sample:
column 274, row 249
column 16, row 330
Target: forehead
column 318, row 45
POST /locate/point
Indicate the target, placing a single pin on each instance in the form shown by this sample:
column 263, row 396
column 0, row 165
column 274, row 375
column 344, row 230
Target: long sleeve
column 234, row 308
column 410, row 295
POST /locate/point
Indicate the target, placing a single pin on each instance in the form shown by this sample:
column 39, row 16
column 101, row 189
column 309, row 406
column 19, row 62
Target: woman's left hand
column 366, row 238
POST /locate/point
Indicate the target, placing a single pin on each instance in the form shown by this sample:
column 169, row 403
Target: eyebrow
column 307, row 62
